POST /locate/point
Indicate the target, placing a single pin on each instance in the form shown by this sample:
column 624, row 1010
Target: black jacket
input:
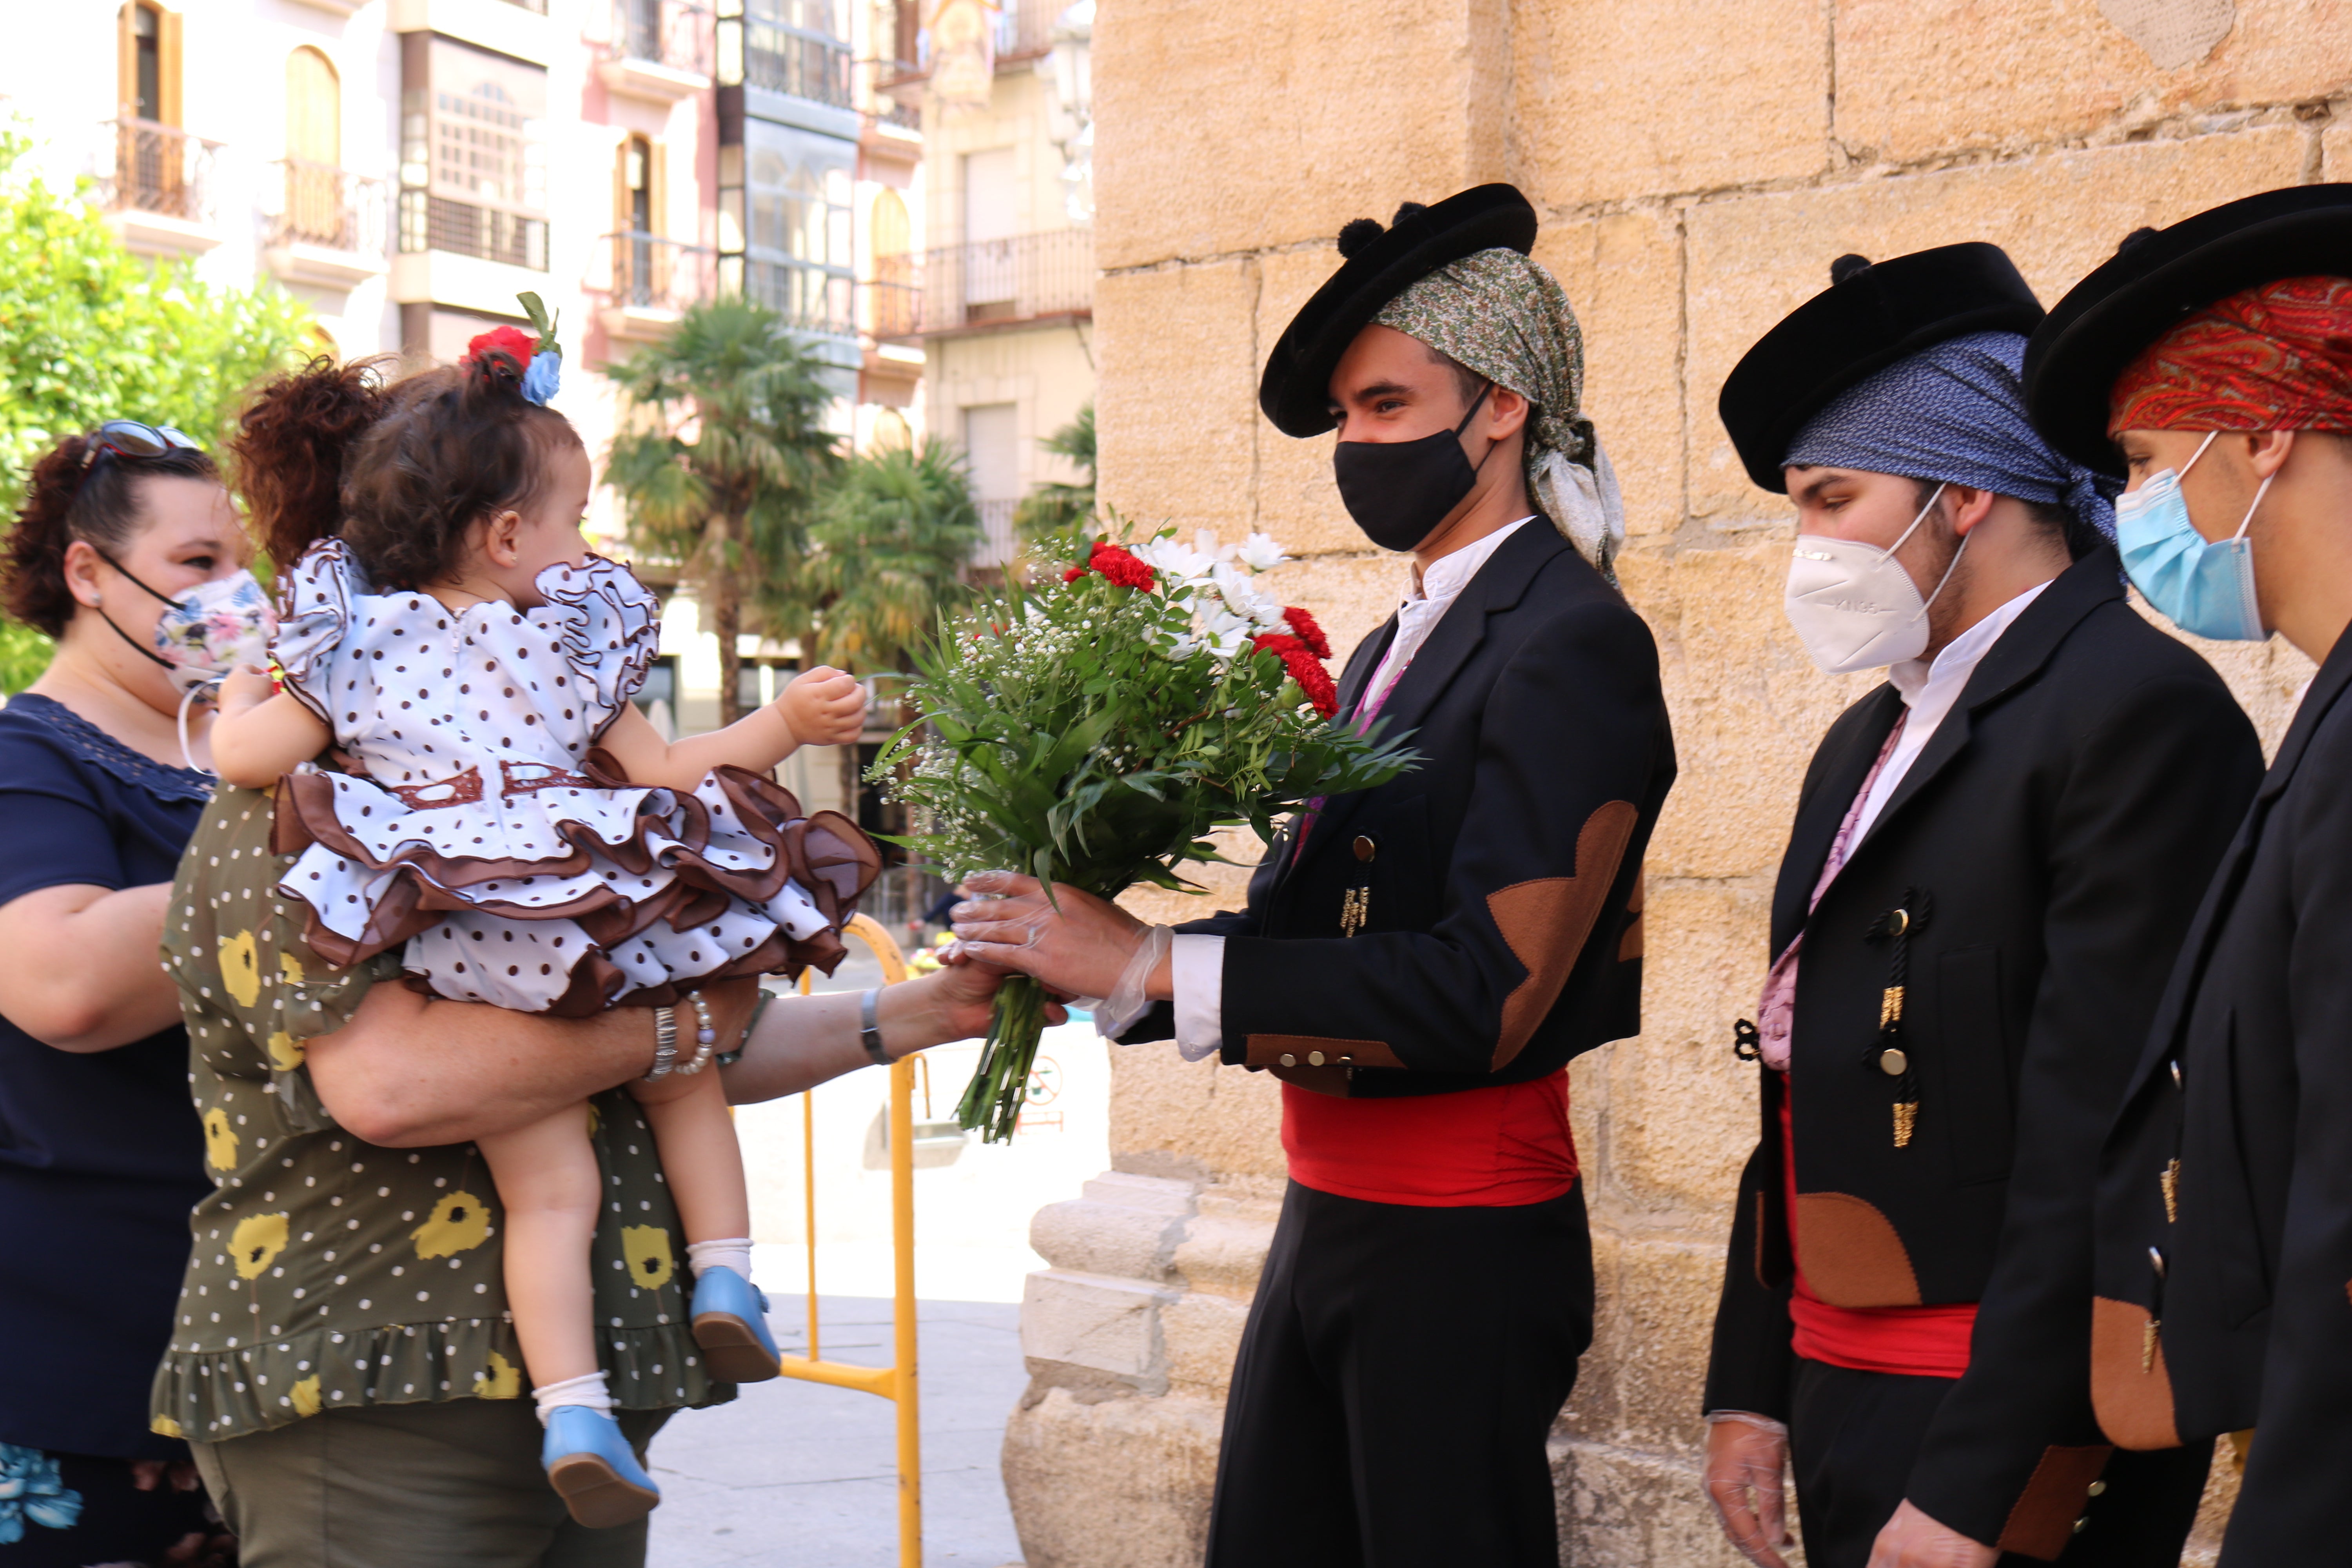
column 2048, row 847
column 1498, row 883
column 2256, row 1324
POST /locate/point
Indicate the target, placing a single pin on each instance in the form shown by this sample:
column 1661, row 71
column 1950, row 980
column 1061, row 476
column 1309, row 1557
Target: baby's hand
column 825, row 707
column 248, row 686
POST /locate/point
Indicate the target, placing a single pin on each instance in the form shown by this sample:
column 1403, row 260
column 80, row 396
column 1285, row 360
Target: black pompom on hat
column 1379, row 264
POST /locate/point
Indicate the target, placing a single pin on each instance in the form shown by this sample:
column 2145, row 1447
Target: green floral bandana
column 1506, row 318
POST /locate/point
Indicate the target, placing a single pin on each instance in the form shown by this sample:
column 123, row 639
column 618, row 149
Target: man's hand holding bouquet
column 1094, row 729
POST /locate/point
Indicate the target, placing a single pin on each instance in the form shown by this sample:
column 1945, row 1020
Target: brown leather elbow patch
column 1315, row 1051
column 2131, row 1391
column 1629, row 945
column 2043, row 1522
column 1851, row 1254
column 1546, row 923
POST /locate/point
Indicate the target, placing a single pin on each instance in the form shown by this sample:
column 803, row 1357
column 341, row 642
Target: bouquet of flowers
column 1094, row 729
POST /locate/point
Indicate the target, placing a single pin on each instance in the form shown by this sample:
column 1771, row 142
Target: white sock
column 587, row 1391
column 733, row 1252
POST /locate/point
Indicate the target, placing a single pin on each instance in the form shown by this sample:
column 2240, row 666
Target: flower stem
column 1000, row 1085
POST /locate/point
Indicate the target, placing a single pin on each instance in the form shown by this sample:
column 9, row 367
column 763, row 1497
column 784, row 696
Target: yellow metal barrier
column 895, row 1381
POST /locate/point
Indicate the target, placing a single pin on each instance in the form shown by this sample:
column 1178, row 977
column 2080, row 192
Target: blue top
column 101, row 1154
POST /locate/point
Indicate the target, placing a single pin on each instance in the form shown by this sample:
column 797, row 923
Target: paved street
column 794, row 1475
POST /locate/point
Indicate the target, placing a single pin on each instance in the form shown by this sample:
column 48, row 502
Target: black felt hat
column 2155, row 278
column 1380, row 265
column 1871, row 314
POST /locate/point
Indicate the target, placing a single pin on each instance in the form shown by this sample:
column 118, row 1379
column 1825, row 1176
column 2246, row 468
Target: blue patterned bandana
column 1955, row 414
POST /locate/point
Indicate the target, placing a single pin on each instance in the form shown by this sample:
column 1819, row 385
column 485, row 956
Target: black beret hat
column 2155, row 278
column 1871, row 315
column 1379, row 265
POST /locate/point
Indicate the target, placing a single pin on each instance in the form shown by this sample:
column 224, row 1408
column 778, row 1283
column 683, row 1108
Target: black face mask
column 1399, row 491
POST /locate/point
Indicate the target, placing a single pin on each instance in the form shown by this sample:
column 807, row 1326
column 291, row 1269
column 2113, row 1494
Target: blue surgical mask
column 2206, row 587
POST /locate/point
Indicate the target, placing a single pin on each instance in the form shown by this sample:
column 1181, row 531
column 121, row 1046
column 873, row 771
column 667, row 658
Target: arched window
column 315, row 210
column 148, row 68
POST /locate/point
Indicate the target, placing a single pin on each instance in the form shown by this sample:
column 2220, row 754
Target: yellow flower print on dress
column 256, row 1242
column 240, row 971
column 305, row 1396
column 289, row 969
column 285, row 1051
column 647, row 1246
column 503, row 1381
column 460, row 1222
column 220, row 1139
column 165, row 1426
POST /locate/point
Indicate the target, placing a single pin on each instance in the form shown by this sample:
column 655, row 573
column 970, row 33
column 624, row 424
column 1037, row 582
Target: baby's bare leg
column 699, row 1156
column 547, row 1179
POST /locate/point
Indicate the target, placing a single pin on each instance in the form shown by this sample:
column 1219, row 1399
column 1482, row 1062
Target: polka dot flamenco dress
column 481, row 827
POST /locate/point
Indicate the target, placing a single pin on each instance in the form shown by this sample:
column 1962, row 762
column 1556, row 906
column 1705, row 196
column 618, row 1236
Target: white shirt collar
column 1449, row 574
column 1934, row 686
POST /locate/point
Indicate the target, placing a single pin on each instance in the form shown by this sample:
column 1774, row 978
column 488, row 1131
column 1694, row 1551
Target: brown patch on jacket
column 2134, row 1404
column 1851, row 1254
column 1546, row 923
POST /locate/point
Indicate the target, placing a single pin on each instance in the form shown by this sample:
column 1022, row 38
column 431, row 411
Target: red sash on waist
column 1483, row 1148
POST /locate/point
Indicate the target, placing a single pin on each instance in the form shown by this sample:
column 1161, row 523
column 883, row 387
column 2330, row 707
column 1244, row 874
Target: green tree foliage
column 891, row 541
column 90, row 331
column 1053, row 511
column 721, row 461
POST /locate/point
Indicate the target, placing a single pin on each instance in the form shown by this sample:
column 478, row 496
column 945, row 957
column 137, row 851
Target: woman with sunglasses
column 128, row 551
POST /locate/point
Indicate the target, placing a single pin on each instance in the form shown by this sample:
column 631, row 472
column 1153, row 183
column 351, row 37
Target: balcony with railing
column 323, row 225
column 810, row 298
column 156, row 184
column 986, row 285
column 797, row 62
column 648, row 282
column 661, row 50
column 484, row 231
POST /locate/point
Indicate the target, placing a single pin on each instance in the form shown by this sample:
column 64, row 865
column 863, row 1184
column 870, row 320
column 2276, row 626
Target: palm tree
column 887, row 551
column 720, row 462
column 1054, row 510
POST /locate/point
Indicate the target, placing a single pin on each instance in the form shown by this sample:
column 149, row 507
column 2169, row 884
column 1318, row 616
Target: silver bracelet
column 665, row 1043
column 706, row 1036
column 869, row 1027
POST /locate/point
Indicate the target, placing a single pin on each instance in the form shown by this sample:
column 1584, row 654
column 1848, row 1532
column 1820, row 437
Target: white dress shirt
column 1196, row 964
column 1929, row 691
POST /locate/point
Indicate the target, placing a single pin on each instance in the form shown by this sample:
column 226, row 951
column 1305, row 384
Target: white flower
column 1167, row 556
column 1244, row 600
column 1259, row 552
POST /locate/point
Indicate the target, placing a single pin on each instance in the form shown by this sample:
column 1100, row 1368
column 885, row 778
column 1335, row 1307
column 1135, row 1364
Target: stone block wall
column 1697, row 164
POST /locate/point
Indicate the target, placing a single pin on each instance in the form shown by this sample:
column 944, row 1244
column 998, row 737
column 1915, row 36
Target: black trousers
column 1398, row 1377
column 1855, row 1436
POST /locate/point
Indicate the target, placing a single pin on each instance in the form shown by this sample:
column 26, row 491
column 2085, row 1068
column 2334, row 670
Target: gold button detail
column 1347, row 1058
column 1315, row 1058
column 1891, row 1062
column 2098, row 1488
column 1288, row 1060
column 1364, row 848
column 2079, row 1524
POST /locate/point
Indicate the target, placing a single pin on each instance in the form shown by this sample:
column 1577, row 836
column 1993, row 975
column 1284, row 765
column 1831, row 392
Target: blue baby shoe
column 592, row 1468
column 730, row 1324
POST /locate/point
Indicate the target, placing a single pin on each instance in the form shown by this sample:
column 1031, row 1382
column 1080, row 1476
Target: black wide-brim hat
column 1296, row 391
column 2157, row 278
column 1871, row 315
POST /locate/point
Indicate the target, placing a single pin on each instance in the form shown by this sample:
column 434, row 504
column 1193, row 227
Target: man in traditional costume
column 2212, row 364
column 1994, row 856
column 1419, row 961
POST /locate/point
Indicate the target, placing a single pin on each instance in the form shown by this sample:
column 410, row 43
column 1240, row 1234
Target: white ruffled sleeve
column 609, row 628
column 314, row 598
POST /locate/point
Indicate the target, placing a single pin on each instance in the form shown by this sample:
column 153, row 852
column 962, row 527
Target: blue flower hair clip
column 544, row 376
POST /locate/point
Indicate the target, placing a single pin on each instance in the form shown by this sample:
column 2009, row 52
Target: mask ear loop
column 1937, row 495
column 187, row 701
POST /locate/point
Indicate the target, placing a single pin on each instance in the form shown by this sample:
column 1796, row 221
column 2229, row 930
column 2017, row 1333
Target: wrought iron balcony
column 325, row 226
column 986, row 284
column 662, row 49
column 158, row 169
column 430, row 222
column 810, row 299
column 649, row 282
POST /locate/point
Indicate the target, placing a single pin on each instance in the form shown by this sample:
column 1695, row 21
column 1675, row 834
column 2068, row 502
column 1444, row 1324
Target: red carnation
column 1308, row 632
column 1119, row 567
column 1074, row 573
column 513, row 339
column 1304, row 667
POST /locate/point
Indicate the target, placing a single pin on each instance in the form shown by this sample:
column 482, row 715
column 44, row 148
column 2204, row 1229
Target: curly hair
column 103, row 504
column 400, row 470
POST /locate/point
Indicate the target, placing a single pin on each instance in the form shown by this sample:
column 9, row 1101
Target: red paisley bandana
column 2278, row 357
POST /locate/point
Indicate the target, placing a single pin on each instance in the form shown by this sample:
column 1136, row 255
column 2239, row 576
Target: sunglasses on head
column 129, row 439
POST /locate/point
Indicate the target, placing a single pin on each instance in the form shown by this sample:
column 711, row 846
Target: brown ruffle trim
column 828, row 855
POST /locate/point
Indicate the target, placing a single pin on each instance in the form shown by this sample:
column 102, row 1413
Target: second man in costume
column 1994, row 857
